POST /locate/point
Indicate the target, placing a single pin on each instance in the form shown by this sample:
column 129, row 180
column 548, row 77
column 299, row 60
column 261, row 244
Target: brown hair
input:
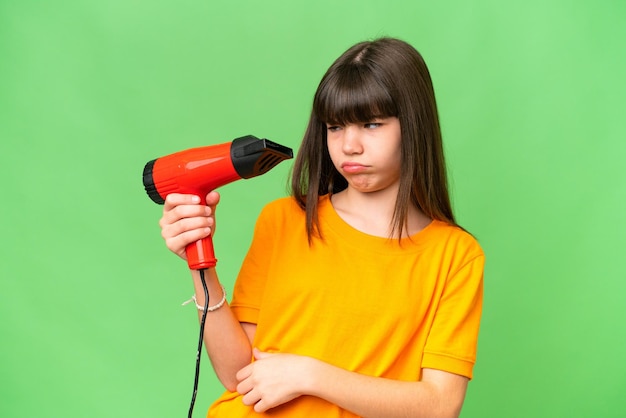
column 377, row 79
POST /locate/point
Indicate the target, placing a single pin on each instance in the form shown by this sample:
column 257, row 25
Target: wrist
column 214, row 287
column 312, row 376
column 208, row 308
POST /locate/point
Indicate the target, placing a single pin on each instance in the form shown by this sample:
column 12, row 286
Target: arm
column 278, row 378
column 438, row 394
column 227, row 342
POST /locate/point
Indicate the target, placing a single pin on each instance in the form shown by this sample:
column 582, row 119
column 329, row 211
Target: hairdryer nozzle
column 252, row 156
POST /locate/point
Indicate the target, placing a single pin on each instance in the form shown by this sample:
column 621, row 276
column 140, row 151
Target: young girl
column 359, row 295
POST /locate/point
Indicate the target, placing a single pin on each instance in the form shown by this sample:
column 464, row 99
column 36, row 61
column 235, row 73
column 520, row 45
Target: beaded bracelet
column 210, row 308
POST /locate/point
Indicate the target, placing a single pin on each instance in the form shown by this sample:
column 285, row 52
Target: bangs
column 353, row 95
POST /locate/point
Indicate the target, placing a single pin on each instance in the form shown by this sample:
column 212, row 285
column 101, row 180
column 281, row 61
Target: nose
column 351, row 140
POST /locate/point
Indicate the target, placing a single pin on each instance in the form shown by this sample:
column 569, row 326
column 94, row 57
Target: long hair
column 383, row 78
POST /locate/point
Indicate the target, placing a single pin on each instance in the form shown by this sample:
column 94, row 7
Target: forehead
column 350, row 96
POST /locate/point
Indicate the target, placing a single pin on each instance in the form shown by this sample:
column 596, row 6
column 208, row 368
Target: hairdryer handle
column 200, row 254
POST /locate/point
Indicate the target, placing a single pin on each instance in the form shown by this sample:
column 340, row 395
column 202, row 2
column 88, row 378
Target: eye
column 333, row 128
column 372, row 125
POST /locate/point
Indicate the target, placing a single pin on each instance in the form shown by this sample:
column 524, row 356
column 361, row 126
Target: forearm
column 225, row 341
column 378, row 397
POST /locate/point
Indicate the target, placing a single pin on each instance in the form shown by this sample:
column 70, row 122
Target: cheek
column 393, row 161
column 393, row 154
column 333, row 150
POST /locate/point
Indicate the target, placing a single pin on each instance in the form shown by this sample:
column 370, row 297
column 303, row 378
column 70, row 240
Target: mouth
column 351, row 167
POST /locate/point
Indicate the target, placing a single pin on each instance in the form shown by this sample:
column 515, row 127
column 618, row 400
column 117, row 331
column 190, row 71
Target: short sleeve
column 250, row 283
column 452, row 341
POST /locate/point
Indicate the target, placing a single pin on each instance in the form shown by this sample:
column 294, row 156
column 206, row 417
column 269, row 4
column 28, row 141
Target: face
column 367, row 154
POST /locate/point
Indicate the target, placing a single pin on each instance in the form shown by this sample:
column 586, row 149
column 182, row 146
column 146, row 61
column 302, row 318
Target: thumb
column 212, row 198
column 259, row 355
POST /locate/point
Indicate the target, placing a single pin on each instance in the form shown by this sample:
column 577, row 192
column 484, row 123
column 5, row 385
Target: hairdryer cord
column 200, row 340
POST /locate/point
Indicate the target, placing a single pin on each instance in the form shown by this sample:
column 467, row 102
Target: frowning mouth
column 351, row 167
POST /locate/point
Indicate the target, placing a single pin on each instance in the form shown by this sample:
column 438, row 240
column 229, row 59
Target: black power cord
column 200, row 341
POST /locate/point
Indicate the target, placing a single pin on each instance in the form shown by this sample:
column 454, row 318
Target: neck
column 372, row 213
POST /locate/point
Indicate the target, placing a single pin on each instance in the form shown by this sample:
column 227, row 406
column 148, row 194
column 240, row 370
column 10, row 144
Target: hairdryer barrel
column 200, row 170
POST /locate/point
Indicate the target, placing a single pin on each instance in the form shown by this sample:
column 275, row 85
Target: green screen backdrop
column 531, row 97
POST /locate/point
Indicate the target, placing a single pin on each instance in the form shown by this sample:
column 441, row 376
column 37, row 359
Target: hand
column 273, row 379
column 185, row 220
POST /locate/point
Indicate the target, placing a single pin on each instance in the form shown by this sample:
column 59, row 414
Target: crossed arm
column 274, row 379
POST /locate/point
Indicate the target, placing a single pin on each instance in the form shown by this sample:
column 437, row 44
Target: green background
column 531, row 96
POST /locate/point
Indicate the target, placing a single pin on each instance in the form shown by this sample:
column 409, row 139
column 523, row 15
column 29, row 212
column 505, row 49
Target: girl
column 359, row 295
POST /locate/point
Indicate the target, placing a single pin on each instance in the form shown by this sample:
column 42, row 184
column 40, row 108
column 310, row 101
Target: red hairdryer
column 200, row 170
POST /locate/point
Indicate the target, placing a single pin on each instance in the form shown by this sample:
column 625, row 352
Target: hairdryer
column 200, row 170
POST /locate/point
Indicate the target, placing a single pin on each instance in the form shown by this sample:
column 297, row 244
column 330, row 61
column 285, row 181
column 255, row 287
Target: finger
column 199, row 226
column 261, row 406
column 212, row 198
column 186, row 211
column 250, row 398
column 178, row 213
column 174, row 199
column 244, row 387
column 258, row 354
column 178, row 244
column 185, row 231
column 244, row 373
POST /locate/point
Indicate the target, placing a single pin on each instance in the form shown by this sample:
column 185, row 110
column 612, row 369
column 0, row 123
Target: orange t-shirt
column 366, row 304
